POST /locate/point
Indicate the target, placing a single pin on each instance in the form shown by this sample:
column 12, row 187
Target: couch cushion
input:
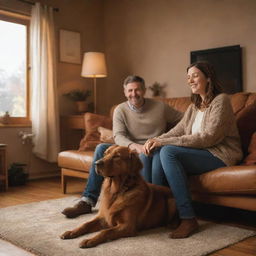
column 92, row 136
column 226, row 180
column 106, row 135
column 251, row 99
column 246, row 123
column 76, row 160
column 251, row 158
column 181, row 104
column 238, row 101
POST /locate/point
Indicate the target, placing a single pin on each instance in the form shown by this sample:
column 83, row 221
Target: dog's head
column 118, row 161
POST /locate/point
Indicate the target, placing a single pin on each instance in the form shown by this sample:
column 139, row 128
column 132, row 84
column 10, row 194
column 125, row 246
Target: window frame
column 24, row 20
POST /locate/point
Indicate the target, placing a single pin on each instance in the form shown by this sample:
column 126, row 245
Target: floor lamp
column 94, row 66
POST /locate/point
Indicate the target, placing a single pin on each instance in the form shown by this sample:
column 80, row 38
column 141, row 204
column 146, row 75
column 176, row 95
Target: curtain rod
column 32, row 3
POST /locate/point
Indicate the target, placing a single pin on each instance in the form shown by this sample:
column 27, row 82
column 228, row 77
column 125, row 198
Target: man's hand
column 137, row 147
column 150, row 145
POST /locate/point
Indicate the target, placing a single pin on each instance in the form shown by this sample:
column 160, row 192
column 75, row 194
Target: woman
column 205, row 139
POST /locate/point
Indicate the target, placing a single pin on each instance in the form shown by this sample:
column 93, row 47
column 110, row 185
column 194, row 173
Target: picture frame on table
column 70, row 46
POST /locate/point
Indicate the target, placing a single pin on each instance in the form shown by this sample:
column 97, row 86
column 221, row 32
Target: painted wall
column 154, row 39
column 22, row 153
column 84, row 16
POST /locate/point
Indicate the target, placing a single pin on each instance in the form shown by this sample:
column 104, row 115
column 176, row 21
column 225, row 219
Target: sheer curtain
column 44, row 107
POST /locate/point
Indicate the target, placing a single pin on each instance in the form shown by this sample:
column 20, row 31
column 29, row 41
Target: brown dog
column 128, row 204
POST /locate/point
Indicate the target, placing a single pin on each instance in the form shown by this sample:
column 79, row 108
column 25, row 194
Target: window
column 14, row 84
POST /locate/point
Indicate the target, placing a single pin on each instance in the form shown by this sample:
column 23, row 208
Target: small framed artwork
column 70, row 46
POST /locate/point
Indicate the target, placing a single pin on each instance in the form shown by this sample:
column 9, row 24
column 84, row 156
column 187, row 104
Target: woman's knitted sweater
column 219, row 134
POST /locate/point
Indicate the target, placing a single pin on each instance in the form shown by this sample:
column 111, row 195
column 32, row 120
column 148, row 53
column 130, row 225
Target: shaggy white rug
column 36, row 227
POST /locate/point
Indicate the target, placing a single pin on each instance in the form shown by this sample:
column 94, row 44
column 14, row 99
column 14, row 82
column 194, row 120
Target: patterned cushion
column 92, row 136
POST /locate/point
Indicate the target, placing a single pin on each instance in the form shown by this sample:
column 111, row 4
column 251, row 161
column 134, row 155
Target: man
column 134, row 122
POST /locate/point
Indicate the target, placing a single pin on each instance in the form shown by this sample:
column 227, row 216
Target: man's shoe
column 78, row 209
column 186, row 228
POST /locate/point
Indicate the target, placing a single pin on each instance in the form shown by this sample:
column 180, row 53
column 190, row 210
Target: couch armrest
column 92, row 137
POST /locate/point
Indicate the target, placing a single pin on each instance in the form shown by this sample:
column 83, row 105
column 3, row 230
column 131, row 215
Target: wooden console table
column 3, row 168
column 72, row 130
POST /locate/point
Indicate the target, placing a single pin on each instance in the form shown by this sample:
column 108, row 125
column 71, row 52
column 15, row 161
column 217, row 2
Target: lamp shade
column 94, row 65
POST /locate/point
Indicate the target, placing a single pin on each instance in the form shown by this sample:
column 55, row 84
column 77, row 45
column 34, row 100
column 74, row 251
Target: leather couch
column 233, row 186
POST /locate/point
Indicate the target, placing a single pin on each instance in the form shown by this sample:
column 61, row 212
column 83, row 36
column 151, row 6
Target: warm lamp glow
column 94, row 66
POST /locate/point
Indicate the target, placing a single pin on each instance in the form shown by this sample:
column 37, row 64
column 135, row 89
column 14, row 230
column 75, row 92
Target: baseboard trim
column 43, row 175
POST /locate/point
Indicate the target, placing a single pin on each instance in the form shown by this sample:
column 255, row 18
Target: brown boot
column 185, row 229
column 80, row 208
column 175, row 222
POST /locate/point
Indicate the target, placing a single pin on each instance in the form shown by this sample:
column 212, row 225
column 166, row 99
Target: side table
column 3, row 168
column 72, row 131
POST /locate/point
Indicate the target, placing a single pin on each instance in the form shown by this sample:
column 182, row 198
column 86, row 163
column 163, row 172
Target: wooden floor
column 46, row 189
column 38, row 190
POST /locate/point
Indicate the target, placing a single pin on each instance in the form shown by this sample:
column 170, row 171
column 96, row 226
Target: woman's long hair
column 213, row 87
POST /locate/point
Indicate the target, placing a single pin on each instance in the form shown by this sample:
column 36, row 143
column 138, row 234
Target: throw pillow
column 92, row 136
column 106, row 135
column 246, row 123
column 238, row 100
column 251, row 158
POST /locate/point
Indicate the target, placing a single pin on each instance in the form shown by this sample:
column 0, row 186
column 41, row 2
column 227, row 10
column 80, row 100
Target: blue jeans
column 153, row 171
column 177, row 163
column 94, row 183
column 92, row 190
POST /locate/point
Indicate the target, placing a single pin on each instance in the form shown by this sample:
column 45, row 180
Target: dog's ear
column 136, row 164
column 110, row 149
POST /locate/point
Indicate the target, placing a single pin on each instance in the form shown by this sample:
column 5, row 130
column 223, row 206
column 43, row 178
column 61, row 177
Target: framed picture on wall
column 227, row 62
column 70, row 46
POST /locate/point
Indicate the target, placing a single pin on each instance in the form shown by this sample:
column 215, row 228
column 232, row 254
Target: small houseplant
column 17, row 175
column 156, row 89
column 80, row 97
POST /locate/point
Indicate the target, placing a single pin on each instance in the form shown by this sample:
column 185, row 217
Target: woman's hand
column 150, row 145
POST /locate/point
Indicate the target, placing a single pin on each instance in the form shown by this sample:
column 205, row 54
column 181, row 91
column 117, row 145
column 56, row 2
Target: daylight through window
column 13, row 69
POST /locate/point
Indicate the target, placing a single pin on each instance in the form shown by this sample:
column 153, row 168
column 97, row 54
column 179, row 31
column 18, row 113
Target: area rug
column 36, row 227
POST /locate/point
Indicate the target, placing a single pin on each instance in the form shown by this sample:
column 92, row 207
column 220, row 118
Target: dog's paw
column 87, row 243
column 67, row 235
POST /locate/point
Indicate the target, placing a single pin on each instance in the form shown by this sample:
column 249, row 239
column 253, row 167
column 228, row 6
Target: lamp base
column 95, row 94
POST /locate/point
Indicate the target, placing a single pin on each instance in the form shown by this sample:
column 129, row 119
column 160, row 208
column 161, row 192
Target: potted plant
column 79, row 97
column 157, row 89
column 17, row 175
